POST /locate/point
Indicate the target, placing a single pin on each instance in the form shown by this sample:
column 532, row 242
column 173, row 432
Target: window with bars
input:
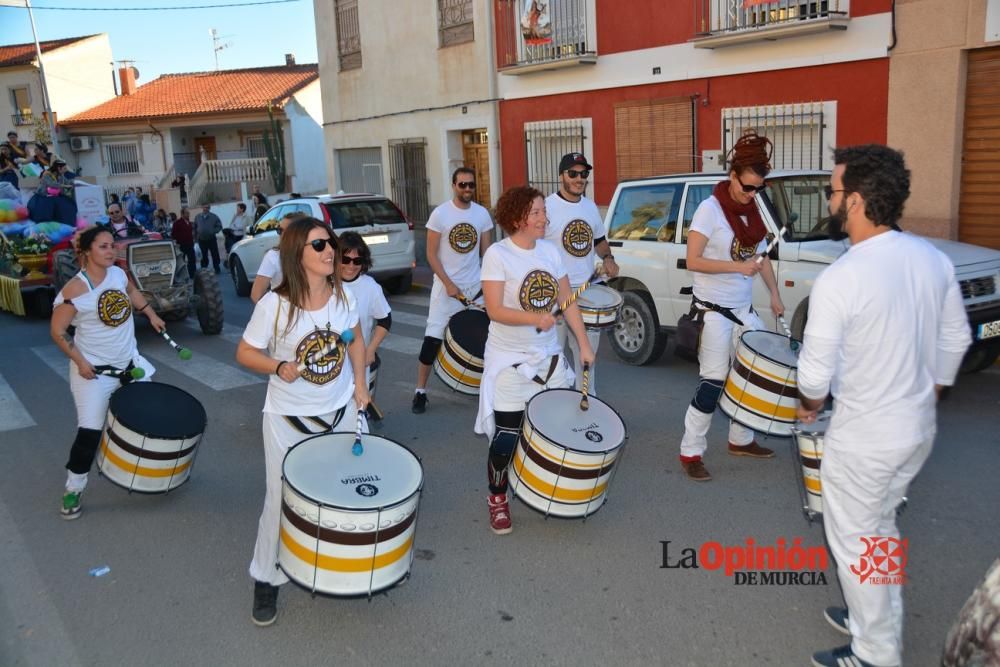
column 455, row 22
column 348, row 34
column 798, row 131
column 654, row 137
column 122, row 159
column 255, row 146
column 545, row 142
column 408, row 176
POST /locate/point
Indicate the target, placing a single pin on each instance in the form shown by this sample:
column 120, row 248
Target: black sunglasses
column 751, row 188
column 828, row 191
column 466, row 185
column 356, row 261
column 319, row 245
column 582, row 173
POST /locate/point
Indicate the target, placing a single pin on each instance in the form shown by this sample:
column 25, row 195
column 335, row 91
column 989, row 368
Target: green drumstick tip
column 137, row 373
column 184, row 353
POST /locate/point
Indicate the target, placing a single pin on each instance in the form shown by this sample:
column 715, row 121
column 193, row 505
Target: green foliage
column 274, row 146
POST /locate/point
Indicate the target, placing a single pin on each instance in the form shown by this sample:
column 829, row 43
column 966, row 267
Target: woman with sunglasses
column 269, row 272
column 726, row 240
column 373, row 309
column 299, row 325
column 523, row 281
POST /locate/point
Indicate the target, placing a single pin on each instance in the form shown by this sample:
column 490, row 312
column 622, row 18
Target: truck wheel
column 239, row 276
column 980, row 358
column 174, row 315
column 798, row 326
column 64, row 267
column 210, row 314
column 637, row 338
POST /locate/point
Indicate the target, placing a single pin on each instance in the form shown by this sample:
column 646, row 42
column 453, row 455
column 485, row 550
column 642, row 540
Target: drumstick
column 136, row 373
column 574, row 296
column 585, row 399
column 346, row 335
column 770, row 246
column 358, row 449
column 182, row 352
column 792, row 343
column 464, row 300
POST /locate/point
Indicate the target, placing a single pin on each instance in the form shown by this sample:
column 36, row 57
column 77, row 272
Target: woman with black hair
column 726, row 240
column 54, row 198
column 99, row 301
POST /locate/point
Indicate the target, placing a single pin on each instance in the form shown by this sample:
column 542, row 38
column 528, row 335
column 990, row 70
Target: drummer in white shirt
column 269, row 272
column 458, row 233
column 886, row 331
column 577, row 230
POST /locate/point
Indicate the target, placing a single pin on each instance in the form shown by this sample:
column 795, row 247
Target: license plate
column 375, row 239
column 988, row 330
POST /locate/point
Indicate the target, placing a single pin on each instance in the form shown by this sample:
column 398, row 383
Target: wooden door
column 476, row 156
column 977, row 208
column 206, row 143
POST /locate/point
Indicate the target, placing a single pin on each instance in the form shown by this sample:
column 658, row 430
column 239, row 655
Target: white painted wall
column 79, row 76
column 93, row 164
column 305, row 129
column 18, row 77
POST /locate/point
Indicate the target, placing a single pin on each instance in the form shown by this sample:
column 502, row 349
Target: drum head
column 158, row 410
column 323, row 469
column 556, row 415
column 470, row 329
column 771, row 345
column 599, row 297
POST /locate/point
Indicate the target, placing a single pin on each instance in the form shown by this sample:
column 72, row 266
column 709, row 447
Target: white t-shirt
column 105, row 328
column 731, row 290
column 371, row 303
column 886, row 322
column 270, row 267
column 531, row 283
column 326, row 384
column 573, row 227
column 460, row 230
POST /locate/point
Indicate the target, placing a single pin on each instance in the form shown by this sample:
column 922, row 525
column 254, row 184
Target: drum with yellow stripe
column 809, row 440
column 348, row 522
column 150, row 437
column 761, row 391
column 566, row 457
column 459, row 361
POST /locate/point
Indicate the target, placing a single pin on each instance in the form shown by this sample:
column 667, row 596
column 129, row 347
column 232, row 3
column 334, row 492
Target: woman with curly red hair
column 523, row 281
column 724, row 245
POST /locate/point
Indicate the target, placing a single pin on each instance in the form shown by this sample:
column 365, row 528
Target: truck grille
column 152, row 265
column 978, row 287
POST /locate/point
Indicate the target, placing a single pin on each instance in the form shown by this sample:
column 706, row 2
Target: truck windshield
column 798, row 203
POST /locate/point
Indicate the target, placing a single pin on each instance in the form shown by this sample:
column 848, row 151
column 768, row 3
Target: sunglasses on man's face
column 466, row 185
column 751, row 188
column 581, row 173
column 319, row 245
column 356, row 261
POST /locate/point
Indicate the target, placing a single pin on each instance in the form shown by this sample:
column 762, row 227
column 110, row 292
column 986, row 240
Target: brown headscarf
column 751, row 151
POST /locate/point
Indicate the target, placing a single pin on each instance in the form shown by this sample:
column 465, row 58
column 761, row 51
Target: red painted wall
column 861, row 89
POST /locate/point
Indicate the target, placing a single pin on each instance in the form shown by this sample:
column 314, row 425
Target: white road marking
column 53, row 357
column 13, row 414
column 411, row 299
column 204, row 369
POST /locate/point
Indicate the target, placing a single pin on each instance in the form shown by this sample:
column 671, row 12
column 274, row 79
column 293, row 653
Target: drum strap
column 300, row 426
column 708, row 305
column 552, row 369
column 125, row 377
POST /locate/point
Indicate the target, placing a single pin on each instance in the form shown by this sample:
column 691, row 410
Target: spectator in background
column 260, row 195
column 180, row 182
column 42, row 156
column 18, row 148
column 120, row 225
column 8, row 167
column 259, row 205
column 54, row 198
column 127, row 201
column 113, row 199
column 160, row 223
column 237, row 228
column 207, row 225
column 183, row 234
column 143, row 212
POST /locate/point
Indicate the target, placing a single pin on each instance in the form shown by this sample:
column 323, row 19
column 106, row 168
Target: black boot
column 265, row 603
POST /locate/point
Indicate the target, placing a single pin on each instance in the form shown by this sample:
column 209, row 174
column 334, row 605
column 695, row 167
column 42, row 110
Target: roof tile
column 13, row 55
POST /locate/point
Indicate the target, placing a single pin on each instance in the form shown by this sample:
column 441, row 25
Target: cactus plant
column 274, row 146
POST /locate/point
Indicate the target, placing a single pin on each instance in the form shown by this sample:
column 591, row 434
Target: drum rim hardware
column 572, row 449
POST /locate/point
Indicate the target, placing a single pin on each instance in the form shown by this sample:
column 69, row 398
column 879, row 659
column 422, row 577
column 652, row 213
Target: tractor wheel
column 64, row 267
column 210, row 314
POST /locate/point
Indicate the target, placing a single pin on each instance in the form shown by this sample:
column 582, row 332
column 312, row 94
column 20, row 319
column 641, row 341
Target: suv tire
column 239, row 275
column 64, row 267
column 980, row 358
column 637, row 338
column 210, row 314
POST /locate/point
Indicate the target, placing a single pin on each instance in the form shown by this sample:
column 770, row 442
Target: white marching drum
column 761, row 391
column 459, row 362
column 809, row 442
column 348, row 522
column 565, row 457
column 599, row 306
column 150, row 437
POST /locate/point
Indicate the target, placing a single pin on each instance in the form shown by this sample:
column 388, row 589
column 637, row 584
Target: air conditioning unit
column 81, row 143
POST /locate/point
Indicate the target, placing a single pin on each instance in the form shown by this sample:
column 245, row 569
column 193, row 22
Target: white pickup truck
column 647, row 226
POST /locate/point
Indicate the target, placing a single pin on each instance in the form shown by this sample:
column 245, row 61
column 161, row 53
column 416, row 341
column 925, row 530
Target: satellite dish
column 135, row 72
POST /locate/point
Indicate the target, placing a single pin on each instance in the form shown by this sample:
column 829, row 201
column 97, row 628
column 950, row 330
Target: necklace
column 327, row 317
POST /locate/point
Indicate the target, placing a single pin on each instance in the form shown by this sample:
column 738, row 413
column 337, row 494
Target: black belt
column 552, row 369
column 708, row 305
column 124, row 375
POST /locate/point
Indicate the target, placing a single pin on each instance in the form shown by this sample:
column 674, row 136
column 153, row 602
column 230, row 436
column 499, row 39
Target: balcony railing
column 212, row 172
column 530, row 41
column 23, row 118
column 727, row 22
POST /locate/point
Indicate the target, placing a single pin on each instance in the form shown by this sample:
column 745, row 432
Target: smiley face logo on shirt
column 740, row 252
column 320, row 369
column 538, row 291
column 462, row 238
column 113, row 308
column 578, row 238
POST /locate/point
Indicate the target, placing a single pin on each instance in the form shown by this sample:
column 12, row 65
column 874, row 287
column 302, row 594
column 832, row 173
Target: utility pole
column 217, row 45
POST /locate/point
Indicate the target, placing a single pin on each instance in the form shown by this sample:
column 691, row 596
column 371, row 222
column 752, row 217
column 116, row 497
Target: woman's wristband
column 277, row 370
column 144, row 307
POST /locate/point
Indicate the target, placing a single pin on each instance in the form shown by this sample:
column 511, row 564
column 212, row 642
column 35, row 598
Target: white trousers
column 279, row 437
column 513, row 390
column 861, row 491
column 571, row 350
column 442, row 307
column 719, row 339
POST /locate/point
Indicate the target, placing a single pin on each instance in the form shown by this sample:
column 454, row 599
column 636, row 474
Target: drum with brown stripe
column 566, row 457
column 348, row 522
column 761, row 391
column 600, row 306
column 150, row 437
column 809, row 441
column 459, row 361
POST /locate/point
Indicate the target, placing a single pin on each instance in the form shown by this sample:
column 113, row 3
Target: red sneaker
column 499, row 514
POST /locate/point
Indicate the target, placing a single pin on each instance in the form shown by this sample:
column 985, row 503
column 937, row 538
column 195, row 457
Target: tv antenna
column 218, row 45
